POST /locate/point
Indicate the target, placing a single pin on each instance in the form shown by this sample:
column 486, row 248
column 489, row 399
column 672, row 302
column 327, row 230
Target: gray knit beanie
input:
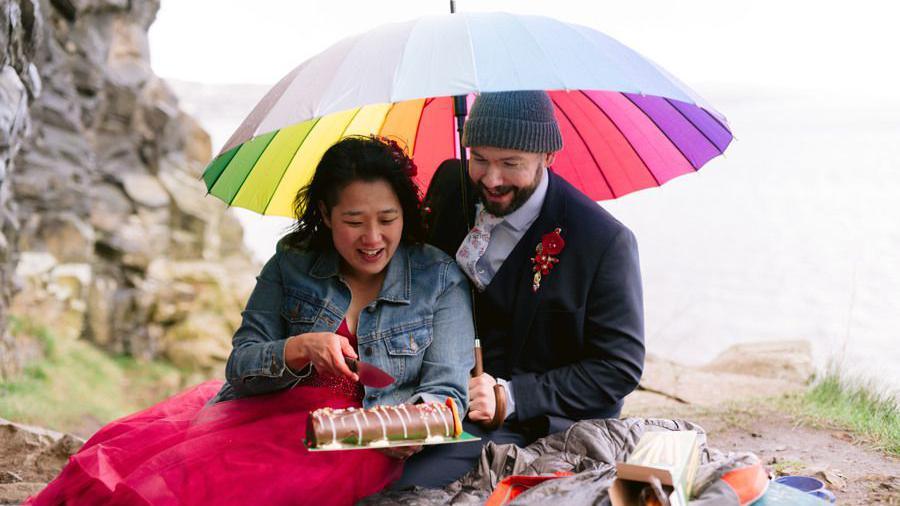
column 521, row 120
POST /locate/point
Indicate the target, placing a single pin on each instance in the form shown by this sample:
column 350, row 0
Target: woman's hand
column 401, row 452
column 325, row 350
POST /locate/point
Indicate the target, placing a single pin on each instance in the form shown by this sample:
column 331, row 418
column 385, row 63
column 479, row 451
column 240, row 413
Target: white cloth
column 510, row 399
column 475, row 244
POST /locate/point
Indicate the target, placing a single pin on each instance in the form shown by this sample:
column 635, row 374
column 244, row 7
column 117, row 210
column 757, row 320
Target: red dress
column 240, row 452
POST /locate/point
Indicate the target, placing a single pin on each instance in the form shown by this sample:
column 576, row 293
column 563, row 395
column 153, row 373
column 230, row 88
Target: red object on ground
column 510, row 487
column 749, row 483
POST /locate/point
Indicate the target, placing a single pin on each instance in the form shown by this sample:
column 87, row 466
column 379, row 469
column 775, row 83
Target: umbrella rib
column 537, row 43
column 419, row 127
column 575, row 128
column 472, row 52
column 628, row 141
column 263, row 150
column 394, row 85
column 216, row 180
column 697, row 128
column 386, row 116
column 264, row 106
column 724, row 126
column 649, row 117
column 721, row 125
column 609, row 56
column 355, row 114
column 280, row 179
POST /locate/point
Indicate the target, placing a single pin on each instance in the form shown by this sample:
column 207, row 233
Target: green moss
column 23, row 326
column 77, row 387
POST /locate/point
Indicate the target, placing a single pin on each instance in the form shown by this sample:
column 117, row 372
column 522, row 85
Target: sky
column 799, row 45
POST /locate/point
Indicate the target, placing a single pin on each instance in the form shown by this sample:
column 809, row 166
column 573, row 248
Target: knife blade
column 369, row 375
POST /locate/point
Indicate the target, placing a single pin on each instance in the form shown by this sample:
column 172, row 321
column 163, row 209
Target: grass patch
column 855, row 408
column 788, row 467
column 77, row 387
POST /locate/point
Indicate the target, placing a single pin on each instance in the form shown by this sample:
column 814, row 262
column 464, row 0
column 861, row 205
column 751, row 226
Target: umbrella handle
column 499, row 393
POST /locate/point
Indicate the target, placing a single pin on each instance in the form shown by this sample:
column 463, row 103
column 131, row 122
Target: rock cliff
column 106, row 231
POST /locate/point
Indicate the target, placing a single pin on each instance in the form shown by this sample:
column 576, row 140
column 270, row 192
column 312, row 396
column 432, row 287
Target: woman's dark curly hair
column 355, row 158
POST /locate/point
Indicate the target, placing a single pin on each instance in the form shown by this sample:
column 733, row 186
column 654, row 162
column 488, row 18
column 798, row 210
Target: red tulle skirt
column 240, row 452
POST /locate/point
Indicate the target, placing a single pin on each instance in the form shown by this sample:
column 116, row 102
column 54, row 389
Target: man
column 565, row 341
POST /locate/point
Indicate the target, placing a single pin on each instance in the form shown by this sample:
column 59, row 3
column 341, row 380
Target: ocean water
column 793, row 235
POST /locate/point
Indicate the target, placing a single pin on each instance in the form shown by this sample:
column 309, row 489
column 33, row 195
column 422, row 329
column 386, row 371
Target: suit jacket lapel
column 519, row 267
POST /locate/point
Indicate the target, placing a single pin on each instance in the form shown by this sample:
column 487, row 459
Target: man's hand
column 482, row 402
column 401, row 452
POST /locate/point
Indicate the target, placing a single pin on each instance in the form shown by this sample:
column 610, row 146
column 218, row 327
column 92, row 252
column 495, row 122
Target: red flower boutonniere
column 551, row 245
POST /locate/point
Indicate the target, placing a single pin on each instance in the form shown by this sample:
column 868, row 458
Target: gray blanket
column 590, row 449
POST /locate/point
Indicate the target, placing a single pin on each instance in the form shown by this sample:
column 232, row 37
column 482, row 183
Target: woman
column 352, row 280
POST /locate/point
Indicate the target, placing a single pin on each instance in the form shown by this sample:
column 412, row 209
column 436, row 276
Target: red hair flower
column 402, row 159
column 551, row 245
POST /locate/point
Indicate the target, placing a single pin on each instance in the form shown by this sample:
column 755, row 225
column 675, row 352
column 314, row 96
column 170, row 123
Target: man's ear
column 550, row 158
column 324, row 212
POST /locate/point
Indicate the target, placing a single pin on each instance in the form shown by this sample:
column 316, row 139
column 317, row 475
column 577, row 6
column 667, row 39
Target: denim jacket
column 419, row 329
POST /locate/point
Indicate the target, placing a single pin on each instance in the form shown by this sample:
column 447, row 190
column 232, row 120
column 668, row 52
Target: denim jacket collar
column 396, row 286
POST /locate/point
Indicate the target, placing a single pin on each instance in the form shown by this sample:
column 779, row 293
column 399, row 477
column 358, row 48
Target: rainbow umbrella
column 627, row 124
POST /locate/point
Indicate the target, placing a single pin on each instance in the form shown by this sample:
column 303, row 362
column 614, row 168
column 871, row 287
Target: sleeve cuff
column 510, row 397
column 525, row 388
column 425, row 397
column 282, row 369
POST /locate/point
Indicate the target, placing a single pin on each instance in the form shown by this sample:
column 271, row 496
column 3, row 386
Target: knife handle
column 351, row 364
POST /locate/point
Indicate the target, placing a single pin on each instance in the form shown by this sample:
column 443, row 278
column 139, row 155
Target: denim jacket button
column 368, row 351
column 371, row 309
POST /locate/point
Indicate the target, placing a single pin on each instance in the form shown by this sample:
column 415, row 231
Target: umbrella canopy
column 627, row 124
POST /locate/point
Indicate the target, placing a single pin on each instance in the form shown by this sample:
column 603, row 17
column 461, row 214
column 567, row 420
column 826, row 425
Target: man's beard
column 520, row 196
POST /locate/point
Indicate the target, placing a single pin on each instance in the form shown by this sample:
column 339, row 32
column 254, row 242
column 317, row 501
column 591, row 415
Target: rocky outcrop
column 29, row 458
column 21, row 30
column 789, row 361
column 101, row 198
column 741, row 372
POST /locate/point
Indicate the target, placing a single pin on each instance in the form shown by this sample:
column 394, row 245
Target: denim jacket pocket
column 406, row 345
column 409, row 339
column 300, row 311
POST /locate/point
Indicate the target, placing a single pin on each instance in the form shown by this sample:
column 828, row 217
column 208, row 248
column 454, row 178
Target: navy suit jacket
column 574, row 348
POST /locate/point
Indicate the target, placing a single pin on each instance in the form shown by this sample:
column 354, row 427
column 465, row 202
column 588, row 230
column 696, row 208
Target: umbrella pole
column 460, row 109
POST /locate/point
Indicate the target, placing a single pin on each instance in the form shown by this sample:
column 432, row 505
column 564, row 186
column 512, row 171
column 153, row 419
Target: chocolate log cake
column 428, row 422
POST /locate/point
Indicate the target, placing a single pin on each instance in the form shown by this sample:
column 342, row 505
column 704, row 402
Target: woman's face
column 366, row 225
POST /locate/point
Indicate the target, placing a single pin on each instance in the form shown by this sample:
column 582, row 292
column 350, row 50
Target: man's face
column 505, row 178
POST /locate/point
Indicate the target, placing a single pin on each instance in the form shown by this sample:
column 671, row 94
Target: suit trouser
column 438, row 465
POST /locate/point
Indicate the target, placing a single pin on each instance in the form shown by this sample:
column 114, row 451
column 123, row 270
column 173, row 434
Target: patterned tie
column 475, row 244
